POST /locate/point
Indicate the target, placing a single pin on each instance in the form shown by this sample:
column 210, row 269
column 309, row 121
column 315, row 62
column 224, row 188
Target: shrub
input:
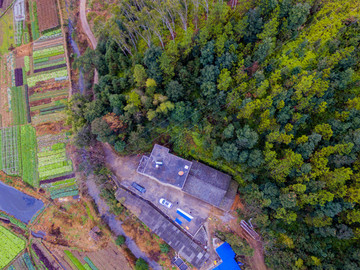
column 164, row 248
column 141, row 264
column 120, row 240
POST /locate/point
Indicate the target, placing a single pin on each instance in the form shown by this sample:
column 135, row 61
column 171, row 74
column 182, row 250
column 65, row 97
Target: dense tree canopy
column 267, row 92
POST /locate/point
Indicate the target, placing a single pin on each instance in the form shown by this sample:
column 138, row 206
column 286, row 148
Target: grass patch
column 7, row 32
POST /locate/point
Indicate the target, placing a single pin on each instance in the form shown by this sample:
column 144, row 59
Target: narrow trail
column 88, row 32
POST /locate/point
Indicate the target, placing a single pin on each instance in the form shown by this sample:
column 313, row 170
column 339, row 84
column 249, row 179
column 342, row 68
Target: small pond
column 18, row 204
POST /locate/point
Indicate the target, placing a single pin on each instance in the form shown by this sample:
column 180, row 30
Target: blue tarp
column 227, row 255
column 178, row 221
column 183, row 215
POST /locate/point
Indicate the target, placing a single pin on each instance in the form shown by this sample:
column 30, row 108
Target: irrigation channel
column 115, row 225
column 18, row 204
column 75, row 48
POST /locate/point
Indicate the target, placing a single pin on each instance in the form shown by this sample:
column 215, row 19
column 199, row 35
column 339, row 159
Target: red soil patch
column 39, row 102
column 47, row 14
column 237, row 204
column 51, row 128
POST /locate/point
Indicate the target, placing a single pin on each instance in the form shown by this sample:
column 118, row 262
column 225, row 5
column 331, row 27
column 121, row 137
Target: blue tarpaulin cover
column 227, row 256
column 183, row 215
column 178, row 221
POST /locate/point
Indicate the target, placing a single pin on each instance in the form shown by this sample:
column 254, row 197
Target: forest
column 266, row 91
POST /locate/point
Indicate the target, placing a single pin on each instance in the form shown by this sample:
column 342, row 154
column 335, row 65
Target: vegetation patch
column 10, row 246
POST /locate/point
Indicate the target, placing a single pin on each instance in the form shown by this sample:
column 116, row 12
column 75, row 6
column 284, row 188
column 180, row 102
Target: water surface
column 18, row 204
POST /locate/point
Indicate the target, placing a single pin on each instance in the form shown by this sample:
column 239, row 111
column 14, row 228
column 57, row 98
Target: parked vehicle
column 165, row 203
column 138, row 187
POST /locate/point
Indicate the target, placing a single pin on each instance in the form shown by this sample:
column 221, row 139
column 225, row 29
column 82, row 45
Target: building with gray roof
column 194, row 178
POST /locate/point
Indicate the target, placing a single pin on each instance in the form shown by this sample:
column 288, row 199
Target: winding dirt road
column 86, row 28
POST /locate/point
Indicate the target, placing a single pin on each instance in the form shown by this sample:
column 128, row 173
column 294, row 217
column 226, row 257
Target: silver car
column 165, row 203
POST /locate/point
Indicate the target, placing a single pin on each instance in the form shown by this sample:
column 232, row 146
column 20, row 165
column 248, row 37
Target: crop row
column 43, row 161
column 52, row 32
column 50, row 105
column 50, row 152
column 56, row 192
column 50, row 94
column 48, row 52
column 22, row 262
column 19, row 105
column 28, row 155
column 10, row 146
column 42, row 256
column 27, row 63
column 52, row 67
column 54, row 166
column 34, row 20
column 57, row 179
column 78, row 265
column 66, row 194
column 90, row 263
column 50, row 63
column 41, row 60
column 56, row 172
column 38, row 119
column 19, row 27
column 60, row 183
column 14, row 221
column 46, row 76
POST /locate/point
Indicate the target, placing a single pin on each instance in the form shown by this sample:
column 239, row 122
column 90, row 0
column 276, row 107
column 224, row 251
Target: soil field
column 47, row 14
column 5, row 83
column 68, row 223
column 110, row 257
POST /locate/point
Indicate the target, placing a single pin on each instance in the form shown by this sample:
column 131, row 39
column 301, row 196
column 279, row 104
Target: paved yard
column 178, row 240
column 125, row 170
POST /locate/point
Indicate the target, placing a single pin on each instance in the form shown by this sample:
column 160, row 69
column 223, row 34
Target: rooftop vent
column 186, row 167
column 158, row 164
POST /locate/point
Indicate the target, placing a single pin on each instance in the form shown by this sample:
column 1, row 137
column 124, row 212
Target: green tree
column 165, row 248
column 120, row 240
column 140, row 75
column 175, row 91
column 141, row 264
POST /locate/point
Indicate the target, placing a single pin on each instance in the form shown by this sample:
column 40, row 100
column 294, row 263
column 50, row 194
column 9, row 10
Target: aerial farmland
column 43, row 216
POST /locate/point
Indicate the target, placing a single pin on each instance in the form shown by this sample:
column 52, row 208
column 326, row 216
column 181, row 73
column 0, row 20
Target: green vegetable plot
column 48, row 52
column 10, row 246
column 28, row 155
column 78, row 265
column 19, row 105
column 47, row 76
column 54, row 162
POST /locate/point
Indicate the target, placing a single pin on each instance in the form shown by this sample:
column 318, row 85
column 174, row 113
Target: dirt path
column 257, row 260
column 88, row 32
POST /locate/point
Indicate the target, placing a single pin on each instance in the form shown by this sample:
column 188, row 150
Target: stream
column 76, row 50
column 115, row 224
